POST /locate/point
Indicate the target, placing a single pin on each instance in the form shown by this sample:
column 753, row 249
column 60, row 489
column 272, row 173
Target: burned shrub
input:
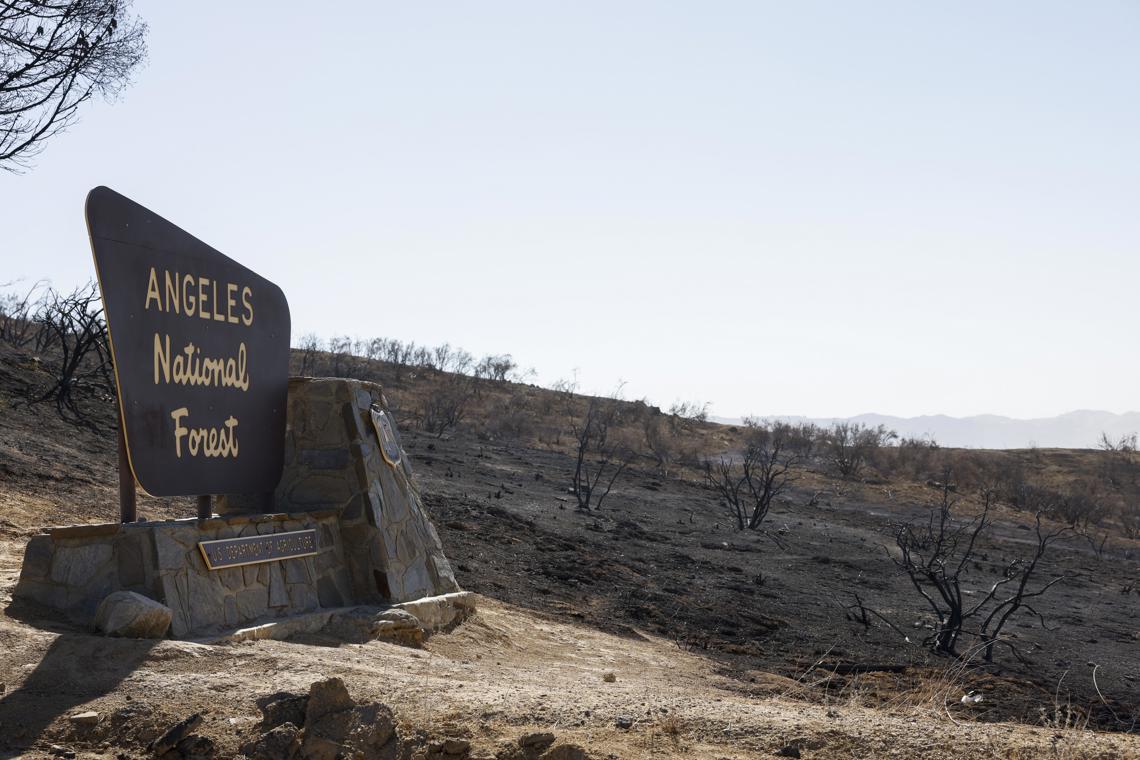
column 937, row 556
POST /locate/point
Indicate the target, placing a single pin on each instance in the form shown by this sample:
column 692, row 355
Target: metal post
column 205, row 509
column 268, row 504
column 127, row 512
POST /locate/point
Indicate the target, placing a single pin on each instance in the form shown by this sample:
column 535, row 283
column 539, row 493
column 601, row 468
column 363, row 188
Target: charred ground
column 662, row 558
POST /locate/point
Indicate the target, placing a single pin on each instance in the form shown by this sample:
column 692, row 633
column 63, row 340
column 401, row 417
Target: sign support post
column 205, row 511
column 127, row 512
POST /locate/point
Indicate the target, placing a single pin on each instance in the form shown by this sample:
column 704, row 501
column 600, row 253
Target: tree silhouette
column 53, row 57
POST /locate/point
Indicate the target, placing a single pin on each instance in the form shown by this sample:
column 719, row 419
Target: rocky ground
column 647, row 629
column 503, row 676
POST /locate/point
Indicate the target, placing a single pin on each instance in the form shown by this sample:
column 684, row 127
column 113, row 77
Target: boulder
column 282, row 707
column 397, row 626
column 449, row 749
column 195, row 747
column 361, row 625
column 85, row 719
column 281, row 743
column 327, row 696
column 337, row 727
column 536, row 742
column 566, row 752
column 175, row 734
column 133, row 616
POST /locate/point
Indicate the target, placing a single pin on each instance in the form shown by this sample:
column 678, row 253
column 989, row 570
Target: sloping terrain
column 722, row 644
column 504, row 674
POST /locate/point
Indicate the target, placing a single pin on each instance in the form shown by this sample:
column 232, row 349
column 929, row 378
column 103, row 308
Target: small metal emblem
column 386, row 432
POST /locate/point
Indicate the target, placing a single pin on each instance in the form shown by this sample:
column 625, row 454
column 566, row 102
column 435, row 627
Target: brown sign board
column 201, row 354
column 234, row 552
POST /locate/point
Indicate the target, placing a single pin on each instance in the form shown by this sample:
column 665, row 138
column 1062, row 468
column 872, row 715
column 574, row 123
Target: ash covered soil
column 647, row 629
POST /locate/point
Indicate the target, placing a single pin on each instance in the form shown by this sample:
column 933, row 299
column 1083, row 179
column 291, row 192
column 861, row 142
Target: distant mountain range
column 1075, row 430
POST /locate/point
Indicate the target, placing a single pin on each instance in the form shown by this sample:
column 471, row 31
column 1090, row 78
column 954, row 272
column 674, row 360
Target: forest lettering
column 200, row 297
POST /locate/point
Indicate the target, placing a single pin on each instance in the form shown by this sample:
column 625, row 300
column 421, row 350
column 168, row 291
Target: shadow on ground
column 74, row 670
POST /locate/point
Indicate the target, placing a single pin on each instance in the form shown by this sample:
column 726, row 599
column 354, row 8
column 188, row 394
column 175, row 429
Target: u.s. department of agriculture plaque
column 201, row 354
column 250, row 550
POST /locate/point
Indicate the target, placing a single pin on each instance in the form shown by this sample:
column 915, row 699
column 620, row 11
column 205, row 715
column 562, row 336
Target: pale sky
column 778, row 207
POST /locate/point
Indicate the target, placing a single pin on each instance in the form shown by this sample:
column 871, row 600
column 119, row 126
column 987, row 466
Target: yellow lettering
column 247, row 302
column 202, row 283
column 218, row 316
column 161, row 358
column 189, row 367
column 188, row 299
column 152, row 291
column 172, row 291
column 230, row 303
column 191, row 295
column 231, row 423
column 180, row 430
column 209, row 442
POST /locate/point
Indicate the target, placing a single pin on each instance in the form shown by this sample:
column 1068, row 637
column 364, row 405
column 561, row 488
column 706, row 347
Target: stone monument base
column 357, row 534
column 72, row 569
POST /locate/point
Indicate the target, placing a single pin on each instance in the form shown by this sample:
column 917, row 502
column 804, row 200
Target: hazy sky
column 781, row 208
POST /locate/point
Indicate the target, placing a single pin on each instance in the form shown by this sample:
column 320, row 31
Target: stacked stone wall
column 72, row 569
column 333, row 461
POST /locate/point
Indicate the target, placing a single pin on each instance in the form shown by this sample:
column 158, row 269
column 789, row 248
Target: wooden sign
column 201, row 354
column 234, row 552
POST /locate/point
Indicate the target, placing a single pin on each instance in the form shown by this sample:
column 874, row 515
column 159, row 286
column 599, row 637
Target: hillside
column 722, row 643
column 1081, row 429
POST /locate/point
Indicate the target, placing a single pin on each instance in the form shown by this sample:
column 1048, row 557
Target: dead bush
column 18, row 326
column 513, row 416
column 446, row 404
column 603, row 451
column 938, row 554
column 850, row 446
column 76, row 348
column 748, row 487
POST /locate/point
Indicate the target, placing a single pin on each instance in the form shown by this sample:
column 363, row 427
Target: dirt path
column 505, row 672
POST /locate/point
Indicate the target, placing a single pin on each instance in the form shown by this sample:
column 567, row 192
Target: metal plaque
column 386, row 432
column 234, row 552
column 201, row 354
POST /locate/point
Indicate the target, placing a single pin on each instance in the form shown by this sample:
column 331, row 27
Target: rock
column 450, row 747
column 176, row 733
column 398, row 626
column 337, row 727
column 134, row 616
column 537, row 741
column 566, row 752
column 328, row 696
column 789, row 751
column 623, row 721
column 278, row 744
column 609, row 677
column 282, row 707
column 63, row 752
column 362, row 625
column 85, row 719
column 75, row 566
column 437, row 613
column 196, row 748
